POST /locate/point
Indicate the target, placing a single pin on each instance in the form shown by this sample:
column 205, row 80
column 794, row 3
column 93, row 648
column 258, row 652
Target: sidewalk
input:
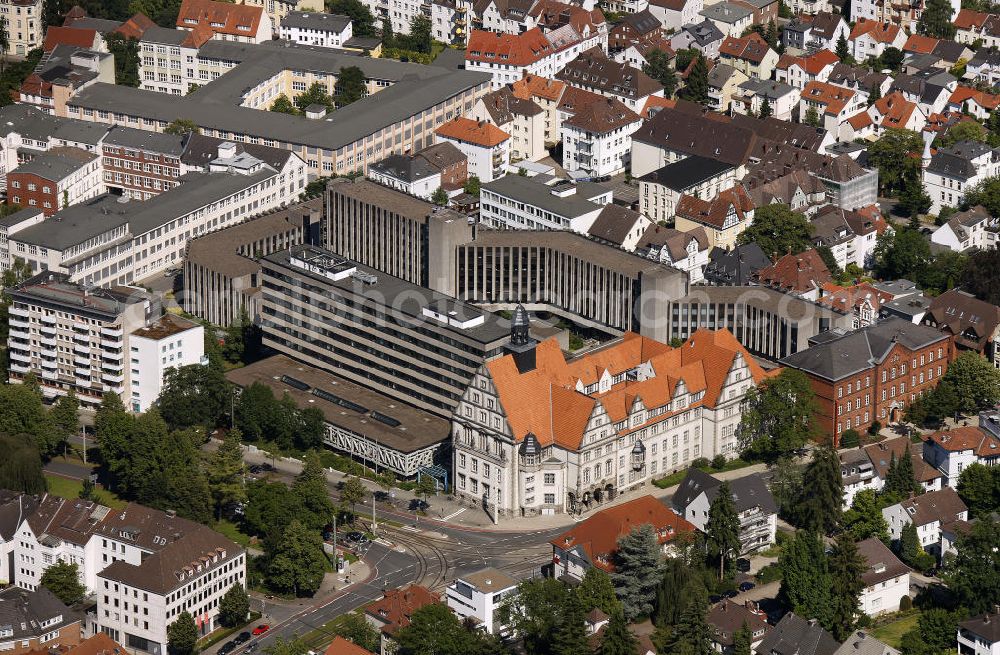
column 447, row 510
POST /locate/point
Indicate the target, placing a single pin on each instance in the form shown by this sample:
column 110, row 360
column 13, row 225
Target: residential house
column 393, row 611
column 972, row 229
column 597, row 138
column 968, row 24
column 735, row 267
column 951, row 171
column 981, row 634
column 984, row 67
column 686, row 251
column 165, row 53
column 755, row 506
column 521, row 118
column 795, row 635
column 870, row 37
column 675, row 14
column 800, row 275
column 228, row 21
column 723, row 83
column 833, row 104
column 479, row 595
column 820, row 31
column 593, row 542
column 860, row 79
column 547, row 94
column 316, row 28
column 974, row 323
column 798, row 189
column 929, row 89
column 594, row 72
column 728, row 617
column 56, row 179
column 730, row 18
column 619, row 226
column 753, row 95
column 724, row 216
column 932, row 513
column 485, row 146
column 867, row 467
column 703, row 36
column 341, row 646
column 25, row 25
column 968, row 100
column 764, row 11
column 862, row 643
column 893, row 111
column 634, row 29
column 750, row 55
column 863, row 300
column 450, row 162
column 411, row 175
column 871, row 374
column 701, row 177
column 904, row 16
column 509, row 57
column 886, row 579
column 37, row 621
column 799, row 71
column 953, row 450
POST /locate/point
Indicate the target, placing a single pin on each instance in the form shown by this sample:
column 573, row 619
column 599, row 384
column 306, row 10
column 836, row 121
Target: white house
column 968, row 230
column 170, row 342
column 952, row 451
column 950, row 172
column 870, row 38
column 597, row 138
column 533, row 203
column 754, row 504
column 980, row 635
column 478, row 596
column 930, row 512
column 703, row 177
column 316, row 28
column 886, row 578
column 522, row 118
column 228, row 21
column 485, row 145
column 674, row 14
column 412, row 175
column 687, row 251
column 866, row 468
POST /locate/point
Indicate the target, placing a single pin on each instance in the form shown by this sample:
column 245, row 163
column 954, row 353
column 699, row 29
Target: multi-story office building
column 141, row 164
column 74, row 337
column 536, row 433
column 393, row 232
column 374, row 329
column 24, row 25
column 222, row 271
column 11, row 224
column 316, row 28
column 56, row 179
column 521, row 202
column 168, row 343
column 167, row 58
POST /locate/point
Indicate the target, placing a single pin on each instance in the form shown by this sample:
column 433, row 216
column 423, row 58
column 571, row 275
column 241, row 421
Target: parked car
column 261, row 629
column 714, row 599
column 254, row 645
column 242, row 638
column 417, row 505
column 732, row 593
column 226, row 648
column 747, row 586
column 256, row 469
column 267, row 467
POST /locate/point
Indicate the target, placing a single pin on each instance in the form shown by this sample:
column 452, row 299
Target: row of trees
column 350, row 87
column 260, row 415
column 971, row 383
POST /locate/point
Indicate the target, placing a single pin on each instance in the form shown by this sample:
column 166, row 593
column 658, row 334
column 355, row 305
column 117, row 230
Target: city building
column 619, row 226
column 479, row 595
column 36, row 620
column 169, row 342
column 597, row 138
column 868, row 467
column 802, row 275
column 393, row 611
column 75, row 337
column 871, row 374
column 11, row 224
column 900, row 16
column 521, row 118
column 980, row 634
column 701, row 177
column 486, row 147
column 140, row 164
column 886, row 579
column 973, row 323
column 424, row 349
column 870, row 36
column 513, row 458
column 593, row 542
column 729, row 617
column 794, row 635
column 24, row 25
column 167, row 54
column 953, row 450
column 541, row 202
column 730, row 18
column 932, row 513
column 687, row 251
column 735, row 267
column 593, row 71
column 972, row 229
column 316, row 28
column 953, row 170
column 750, row 55
column 368, row 426
column 56, row 179
column 723, row 216
column 754, row 504
column 228, row 21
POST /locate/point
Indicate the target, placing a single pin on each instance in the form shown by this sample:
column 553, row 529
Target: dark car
column 267, row 467
column 747, row 586
column 354, row 537
column 256, row 469
column 731, row 593
column 226, row 648
column 417, row 505
column 714, row 599
column 241, row 638
column 743, row 565
column 382, row 496
column 254, row 645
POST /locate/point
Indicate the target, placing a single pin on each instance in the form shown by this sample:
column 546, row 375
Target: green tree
column 282, row 646
column 846, row 567
column 874, row 95
column 225, row 473
column 182, row 126
column 313, row 491
column 891, row 58
column 362, row 21
column 316, row 94
column 976, row 381
column 388, row 38
column 850, row 438
column 692, row 635
column 680, row 583
column 962, row 131
column 822, row 497
column 440, row 197
column 902, row 254
column 472, row 185
column 934, row 633
column 354, row 627
column 21, row 468
column 113, row 426
column 193, row 395
column 697, row 82
column 126, row 54
column 786, row 481
column 66, row 415
column 182, row 635
column 311, row 428
column 353, row 492
column 24, row 413
column 722, row 530
column 234, row 607
column 256, row 411
column 805, row 579
column 778, row 230
column 742, row 641
column 777, row 416
column 890, row 154
column 350, row 85
column 295, row 562
column 419, row 38
column 570, row 636
column 843, row 50
column 936, row 20
column 765, row 109
column 596, row 591
column 63, row 580
column 864, row 519
column 637, row 571
column 899, row 480
column 829, row 260
column 910, row 550
column 661, row 68
column 974, row 575
column 532, row 612
column 283, row 105
column 985, row 193
column 684, row 57
column 435, row 630
column 914, row 199
column 979, row 488
column 270, row 507
column 981, row 277
column 426, row 487
column 617, row 639
column 812, row 118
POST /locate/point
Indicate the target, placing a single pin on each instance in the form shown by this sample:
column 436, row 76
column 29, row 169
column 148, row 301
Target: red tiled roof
column 984, row 100
column 847, row 298
column 598, row 535
column 973, row 438
column 802, row 272
column 714, row 212
column 508, row 49
column 921, row 44
column 895, row 110
column 534, row 86
column 880, row 32
column 751, row 47
column 75, row 36
column 970, row 19
column 812, row 64
column 135, row 26
column 398, row 605
column 833, row 97
column 221, row 17
column 341, row 646
column 479, row 133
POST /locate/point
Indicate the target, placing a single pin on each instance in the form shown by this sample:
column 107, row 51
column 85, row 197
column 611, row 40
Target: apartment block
column 24, row 25
column 56, row 179
column 169, row 342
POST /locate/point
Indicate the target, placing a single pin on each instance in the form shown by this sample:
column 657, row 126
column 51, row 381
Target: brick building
column 55, row 180
column 35, row 621
column 141, row 163
column 871, row 374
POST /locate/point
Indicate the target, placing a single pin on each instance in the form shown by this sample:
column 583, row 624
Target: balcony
column 18, row 368
column 81, row 350
column 113, row 357
column 20, row 312
column 82, row 372
column 111, row 333
column 116, row 378
column 81, row 361
column 48, row 341
column 19, row 334
column 48, row 320
column 18, row 355
column 17, row 323
column 50, row 375
column 50, row 364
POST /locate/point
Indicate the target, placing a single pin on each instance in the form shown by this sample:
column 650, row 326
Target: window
column 550, row 499
column 550, row 478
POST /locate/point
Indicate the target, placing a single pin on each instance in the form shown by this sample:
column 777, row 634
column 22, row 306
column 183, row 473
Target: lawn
column 678, row 477
column 70, row 489
column 232, row 531
column 892, row 633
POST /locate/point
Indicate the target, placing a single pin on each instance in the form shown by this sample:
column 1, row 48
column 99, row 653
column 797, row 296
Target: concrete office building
column 168, row 343
column 221, row 269
column 373, row 428
column 374, row 329
column 542, row 202
column 395, row 233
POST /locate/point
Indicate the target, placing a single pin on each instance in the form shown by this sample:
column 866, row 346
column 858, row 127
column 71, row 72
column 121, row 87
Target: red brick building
column 872, row 374
column 140, row 163
column 55, row 179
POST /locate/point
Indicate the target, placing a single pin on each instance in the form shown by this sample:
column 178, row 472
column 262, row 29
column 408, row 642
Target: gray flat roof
column 130, row 137
column 57, row 163
column 316, row 20
column 688, row 172
column 56, row 288
column 417, row 429
column 532, row 191
column 216, row 105
column 11, row 220
column 725, row 12
column 38, row 126
column 157, row 34
column 398, row 294
column 78, row 223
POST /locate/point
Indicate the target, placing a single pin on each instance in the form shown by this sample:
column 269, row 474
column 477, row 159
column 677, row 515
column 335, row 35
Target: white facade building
column 170, row 342
column 316, row 29
column 520, row 202
column 755, row 506
column 479, row 595
column 24, row 25
column 886, row 579
column 597, row 139
column 485, row 145
column 950, row 172
column 930, row 512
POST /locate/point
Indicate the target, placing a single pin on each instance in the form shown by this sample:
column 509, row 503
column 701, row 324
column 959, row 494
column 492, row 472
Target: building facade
column 168, row 343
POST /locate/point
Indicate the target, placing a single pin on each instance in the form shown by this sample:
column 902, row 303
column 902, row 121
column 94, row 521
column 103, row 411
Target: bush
column 905, row 604
column 701, row 463
column 719, row 462
column 875, row 428
column 850, row 439
column 770, row 573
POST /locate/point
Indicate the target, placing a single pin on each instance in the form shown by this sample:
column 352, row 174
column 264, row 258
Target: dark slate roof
column 697, row 134
column 24, row 612
column 796, row 636
column 857, row 351
column 156, row 142
column 688, row 172
column 956, row 160
column 704, row 32
column 986, row 626
column 403, row 167
column 642, row 22
column 316, row 20
column 748, row 492
column 735, row 267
